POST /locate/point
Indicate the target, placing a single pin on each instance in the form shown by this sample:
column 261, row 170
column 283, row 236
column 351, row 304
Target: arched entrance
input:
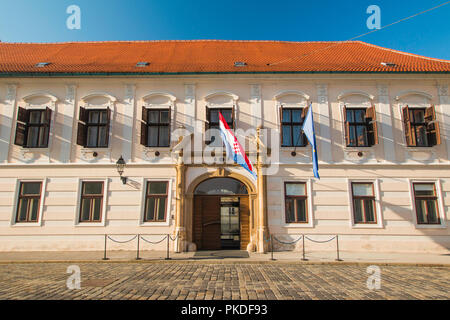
column 221, row 215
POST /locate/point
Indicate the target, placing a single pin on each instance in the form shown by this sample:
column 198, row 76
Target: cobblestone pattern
column 221, row 281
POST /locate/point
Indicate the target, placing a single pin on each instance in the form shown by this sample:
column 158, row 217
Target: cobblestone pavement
column 221, row 281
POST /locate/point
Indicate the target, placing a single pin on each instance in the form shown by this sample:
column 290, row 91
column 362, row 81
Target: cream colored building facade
column 390, row 165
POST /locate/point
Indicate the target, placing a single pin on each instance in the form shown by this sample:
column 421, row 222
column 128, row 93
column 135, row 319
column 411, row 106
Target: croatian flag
column 234, row 148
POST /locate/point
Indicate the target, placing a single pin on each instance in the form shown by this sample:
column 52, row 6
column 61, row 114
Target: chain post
column 168, row 242
column 137, row 251
column 303, row 249
column 337, row 248
column 104, row 251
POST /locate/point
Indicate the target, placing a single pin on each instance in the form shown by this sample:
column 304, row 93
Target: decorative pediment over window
column 354, row 98
column 159, row 98
column 294, row 98
column 98, row 99
column 221, row 98
column 414, row 98
column 407, row 93
column 40, row 98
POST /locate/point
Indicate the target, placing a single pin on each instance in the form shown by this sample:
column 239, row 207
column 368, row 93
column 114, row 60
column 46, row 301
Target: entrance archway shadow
column 222, row 254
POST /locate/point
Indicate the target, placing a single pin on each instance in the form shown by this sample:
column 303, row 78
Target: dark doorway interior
column 230, row 236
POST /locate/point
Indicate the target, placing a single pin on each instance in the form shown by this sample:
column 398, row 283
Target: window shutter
column 305, row 112
column 280, row 110
column 48, row 120
column 108, row 124
column 144, row 128
column 371, row 117
column 21, row 131
column 82, row 129
column 347, row 127
column 144, row 114
column 83, row 115
column 23, row 115
column 81, row 134
column 144, row 134
column 207, row 136
column 409, row 134
column 430, row 114
column 433, row 130
column 48, row 116
column 170, row 122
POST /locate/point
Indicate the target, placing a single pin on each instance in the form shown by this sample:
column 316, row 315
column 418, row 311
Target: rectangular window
column 213, row 137
column 291, row 127
column 33, row 128
column 426, row 203
column 29, row 202
column 93, row 128
column 363, row 203
column 156, row 201
column 295, row 196
column 156, row 127
column 357, row 128
column 91, row 201
column 421, row 127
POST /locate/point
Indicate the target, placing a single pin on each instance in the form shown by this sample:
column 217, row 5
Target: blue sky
column 290, row 20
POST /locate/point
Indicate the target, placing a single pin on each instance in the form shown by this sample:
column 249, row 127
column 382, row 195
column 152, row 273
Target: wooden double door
column 211, row 224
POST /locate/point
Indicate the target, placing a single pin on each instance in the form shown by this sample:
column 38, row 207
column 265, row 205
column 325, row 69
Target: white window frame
column 440, row 203
column 13, row 222
column 378, row 205
column 309, row 203
column 102, row 223
column 169, row 203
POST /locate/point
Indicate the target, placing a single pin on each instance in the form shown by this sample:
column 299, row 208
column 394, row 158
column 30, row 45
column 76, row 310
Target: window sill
column 308, row 225
column 26, row 224
column 157, row 148
column 357, row 148
column 431, row 226
column 154, row 224
column 367, row 226
column 90, row 224
column 31, row 149
column 419, row 149
column 88, row 149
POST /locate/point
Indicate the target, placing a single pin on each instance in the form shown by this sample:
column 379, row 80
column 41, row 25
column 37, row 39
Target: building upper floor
column 392, row 108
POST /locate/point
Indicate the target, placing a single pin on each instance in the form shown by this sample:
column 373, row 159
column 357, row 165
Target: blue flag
column 308, row 129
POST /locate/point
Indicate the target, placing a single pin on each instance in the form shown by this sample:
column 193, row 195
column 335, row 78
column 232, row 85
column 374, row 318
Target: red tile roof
column 209, row 56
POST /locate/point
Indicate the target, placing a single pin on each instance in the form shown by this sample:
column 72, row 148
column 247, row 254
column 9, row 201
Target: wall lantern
column 120, row 164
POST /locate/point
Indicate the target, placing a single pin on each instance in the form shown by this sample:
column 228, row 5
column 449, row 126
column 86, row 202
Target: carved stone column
column 180, row 228
column 262, row 221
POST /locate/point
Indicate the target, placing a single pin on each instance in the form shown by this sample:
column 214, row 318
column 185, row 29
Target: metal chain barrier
column 303, row 237
column 176, row 237
column 316, row 241
column 117, row 241
column 288, row 243
column 151, row 242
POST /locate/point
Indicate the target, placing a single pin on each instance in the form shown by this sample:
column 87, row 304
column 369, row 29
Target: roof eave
column 93, row 74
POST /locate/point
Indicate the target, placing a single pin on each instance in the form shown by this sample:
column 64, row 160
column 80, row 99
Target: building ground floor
column 371, row 208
